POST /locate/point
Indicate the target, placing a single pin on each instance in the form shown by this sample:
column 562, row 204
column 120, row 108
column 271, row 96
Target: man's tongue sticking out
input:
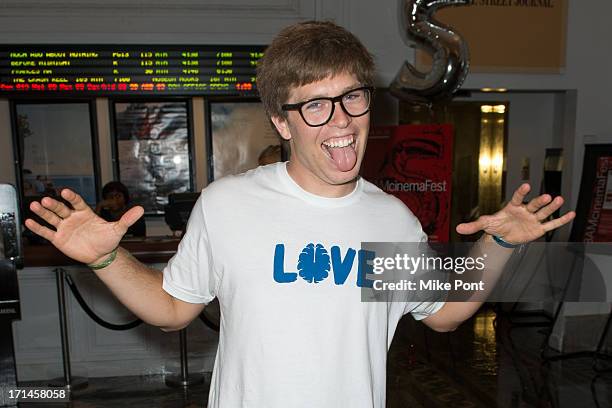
column 344, row 157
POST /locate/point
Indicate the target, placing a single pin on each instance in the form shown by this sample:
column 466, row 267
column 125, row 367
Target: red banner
column 414, row 163
column 599, row 220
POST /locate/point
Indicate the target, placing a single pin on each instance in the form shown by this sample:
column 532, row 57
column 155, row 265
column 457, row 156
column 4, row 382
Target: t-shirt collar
column 315, row 199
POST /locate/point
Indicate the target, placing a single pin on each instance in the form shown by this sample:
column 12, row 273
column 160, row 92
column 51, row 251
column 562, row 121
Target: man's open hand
column 80, row 233
column 518, row 223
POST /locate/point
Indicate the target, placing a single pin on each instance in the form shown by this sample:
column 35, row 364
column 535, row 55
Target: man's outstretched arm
column 85, row 237
column 516, row 223
column 139, row 288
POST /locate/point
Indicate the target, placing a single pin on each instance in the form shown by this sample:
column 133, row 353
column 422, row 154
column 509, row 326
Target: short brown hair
column 116, row 187
column 308, row 52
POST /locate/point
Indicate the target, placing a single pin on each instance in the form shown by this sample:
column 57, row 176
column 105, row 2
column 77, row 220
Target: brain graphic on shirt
column 314, row 263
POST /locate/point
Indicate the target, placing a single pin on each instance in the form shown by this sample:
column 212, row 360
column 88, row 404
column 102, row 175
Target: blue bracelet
column 504, row 243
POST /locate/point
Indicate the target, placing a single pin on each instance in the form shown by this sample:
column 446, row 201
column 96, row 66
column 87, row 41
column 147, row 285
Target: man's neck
column 314, row 185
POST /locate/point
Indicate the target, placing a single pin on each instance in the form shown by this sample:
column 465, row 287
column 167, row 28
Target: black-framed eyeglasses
column 319, row 111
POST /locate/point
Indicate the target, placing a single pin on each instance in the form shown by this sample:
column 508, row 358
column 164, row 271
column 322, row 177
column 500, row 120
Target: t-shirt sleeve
column 190, row 275
column 421, row 310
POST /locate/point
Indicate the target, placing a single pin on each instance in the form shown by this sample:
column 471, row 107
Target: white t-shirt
column 294, row 331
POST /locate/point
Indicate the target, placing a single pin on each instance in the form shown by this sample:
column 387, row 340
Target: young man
column 278, row 246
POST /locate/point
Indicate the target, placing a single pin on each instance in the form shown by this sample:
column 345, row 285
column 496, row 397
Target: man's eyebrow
column 346, row 89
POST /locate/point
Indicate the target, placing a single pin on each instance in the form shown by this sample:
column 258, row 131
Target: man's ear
column 282, row 126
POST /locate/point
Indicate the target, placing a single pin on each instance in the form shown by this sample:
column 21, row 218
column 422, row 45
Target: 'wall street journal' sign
column 510, row 35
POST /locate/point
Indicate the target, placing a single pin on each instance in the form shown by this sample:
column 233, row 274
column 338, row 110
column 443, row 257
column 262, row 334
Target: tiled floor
column 485, row 363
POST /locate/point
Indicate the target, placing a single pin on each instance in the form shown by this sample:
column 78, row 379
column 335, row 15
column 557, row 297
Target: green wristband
column 105, row 262
column 503, row 243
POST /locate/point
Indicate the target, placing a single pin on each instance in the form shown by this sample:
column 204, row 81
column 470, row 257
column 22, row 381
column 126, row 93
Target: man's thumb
column 468, row 228
column 131, row 216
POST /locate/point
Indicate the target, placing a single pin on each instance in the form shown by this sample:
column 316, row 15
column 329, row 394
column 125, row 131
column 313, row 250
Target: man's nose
column 339, row 118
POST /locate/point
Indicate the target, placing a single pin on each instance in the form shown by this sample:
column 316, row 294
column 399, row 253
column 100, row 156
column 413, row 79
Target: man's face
column 314, row 159
column 116, row 200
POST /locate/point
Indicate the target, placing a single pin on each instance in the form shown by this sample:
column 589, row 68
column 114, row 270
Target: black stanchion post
column 184, row 379
column 67, row 381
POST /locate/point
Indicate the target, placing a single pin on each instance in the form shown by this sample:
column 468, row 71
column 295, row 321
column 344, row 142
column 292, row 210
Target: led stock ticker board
column 98, row 70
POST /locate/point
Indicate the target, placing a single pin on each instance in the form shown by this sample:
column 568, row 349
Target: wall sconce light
column 491, row 155
column 494, row 90
column 499, row 108
column 491, row 158
column 497, row 163
column 488, row 164
column 484, row 162
column 493, row 108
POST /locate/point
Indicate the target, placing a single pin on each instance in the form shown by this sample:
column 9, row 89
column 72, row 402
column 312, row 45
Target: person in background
column 269, row 155
column 115, row 200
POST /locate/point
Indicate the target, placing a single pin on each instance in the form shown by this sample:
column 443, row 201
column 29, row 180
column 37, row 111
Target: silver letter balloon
column 448, row 49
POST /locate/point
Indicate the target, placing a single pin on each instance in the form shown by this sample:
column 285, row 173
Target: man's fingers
column 545, row 212
column 131, row 216
column 519, row 195
column 57, row 207
column 75, row 200
column 473, row 227
column 38, row 229
column 538, row 202
column 558, row 222
column 45, row 214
